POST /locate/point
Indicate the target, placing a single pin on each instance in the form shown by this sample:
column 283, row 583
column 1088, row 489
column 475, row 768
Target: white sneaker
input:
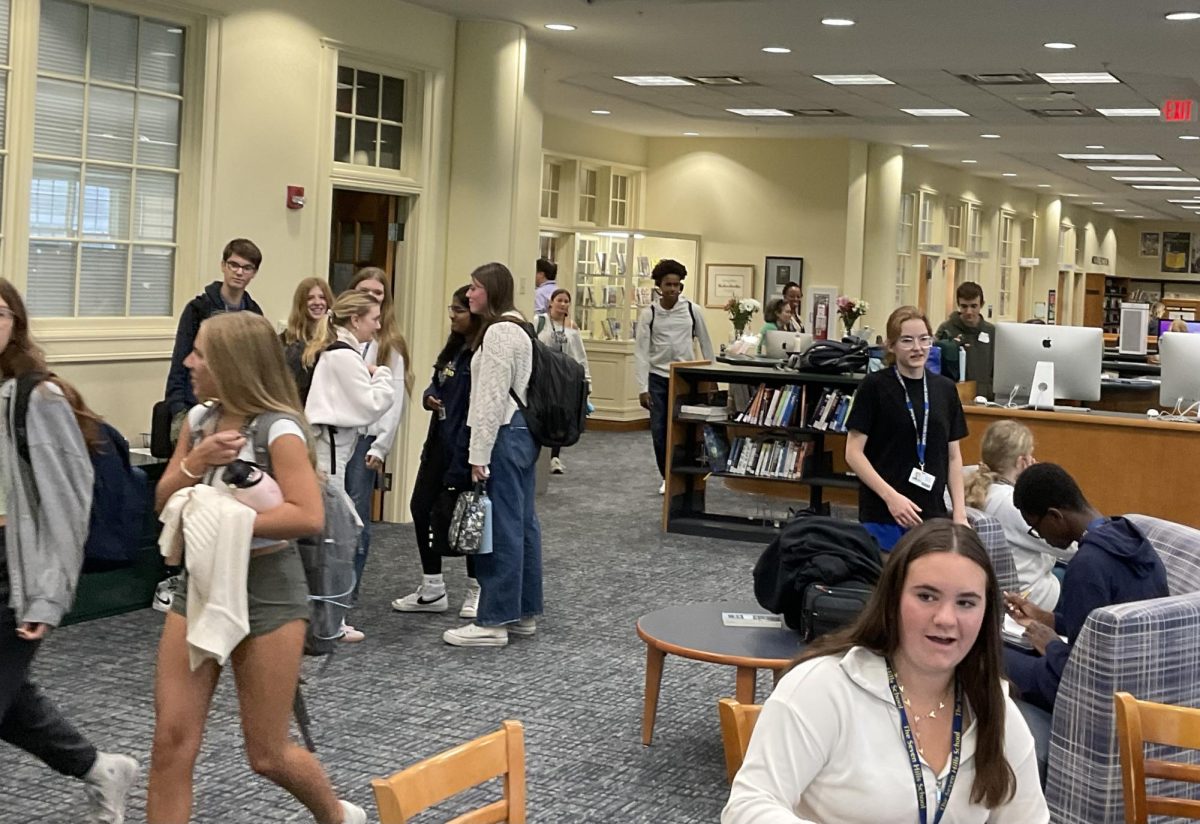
column 470, row 607
column 352, row 813
column 423, row 600
column 107, row 785
column 525, row 627
column 556, row 466
column 350, row 635
column 662, row 488
column 164, row 593
column 473, row 635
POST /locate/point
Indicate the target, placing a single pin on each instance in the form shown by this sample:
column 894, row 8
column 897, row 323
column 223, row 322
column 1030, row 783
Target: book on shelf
column 611, row 295
column 709, row 413
column 767, row 458
column 643, row 266
column 770, row 406
column 831, row 411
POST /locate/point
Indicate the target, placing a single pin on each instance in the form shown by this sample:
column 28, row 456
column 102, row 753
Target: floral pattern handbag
column 471, row 524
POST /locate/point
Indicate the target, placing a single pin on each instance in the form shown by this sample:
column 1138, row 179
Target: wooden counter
column 1123, row 463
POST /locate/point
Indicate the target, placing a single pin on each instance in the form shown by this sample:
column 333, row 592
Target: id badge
column 921, row 478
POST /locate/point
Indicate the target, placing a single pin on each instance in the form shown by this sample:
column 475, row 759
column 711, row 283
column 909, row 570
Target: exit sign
column 1178, row 111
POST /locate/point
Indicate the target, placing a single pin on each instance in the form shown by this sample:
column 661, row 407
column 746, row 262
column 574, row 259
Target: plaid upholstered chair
column 1147, row 648
column 991, row 534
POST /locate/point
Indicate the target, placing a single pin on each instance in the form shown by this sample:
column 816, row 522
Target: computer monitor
column 1180, row 356
column 1075, row 351
column 1164, row 326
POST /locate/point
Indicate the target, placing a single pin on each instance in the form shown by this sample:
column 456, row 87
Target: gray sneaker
column 107, row 785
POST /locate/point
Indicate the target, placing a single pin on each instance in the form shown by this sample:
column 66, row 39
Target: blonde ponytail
column 1003, row 443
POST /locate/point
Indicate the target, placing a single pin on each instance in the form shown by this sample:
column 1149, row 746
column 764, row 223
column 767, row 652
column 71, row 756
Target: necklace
column 918, row 718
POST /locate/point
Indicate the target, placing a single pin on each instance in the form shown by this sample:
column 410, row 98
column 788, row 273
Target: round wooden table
column 696, row 631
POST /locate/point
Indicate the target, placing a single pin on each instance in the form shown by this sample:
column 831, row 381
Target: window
column 5, row 70
column 551, row 183
column 1006, row 250
column 974, row 249
column 586, row 263
column 1066, row 247
column 104, row 191
column 587, row 195
column 618, row 211
column 904, row 239
column 369, row 124
column 925, row 226
column 954, row 226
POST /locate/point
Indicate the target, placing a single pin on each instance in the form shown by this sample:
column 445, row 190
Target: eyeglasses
column 1032, row 531
column 243, row 268
column 909, row 342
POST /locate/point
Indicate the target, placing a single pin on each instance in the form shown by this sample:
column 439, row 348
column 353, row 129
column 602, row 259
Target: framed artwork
column 1148, row 244
column 723, row 281
column 1176, row 251
column 780, row 271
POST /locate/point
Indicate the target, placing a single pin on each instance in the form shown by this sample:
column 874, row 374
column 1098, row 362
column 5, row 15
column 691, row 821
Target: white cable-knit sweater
column 504, row 361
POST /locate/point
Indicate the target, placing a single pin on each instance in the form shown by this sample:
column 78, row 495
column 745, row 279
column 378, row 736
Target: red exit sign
column 1178, row 111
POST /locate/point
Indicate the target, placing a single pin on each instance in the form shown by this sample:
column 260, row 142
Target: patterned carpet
column 402, row 694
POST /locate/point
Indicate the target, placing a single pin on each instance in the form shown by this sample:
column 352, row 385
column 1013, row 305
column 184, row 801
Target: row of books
column 768, row 458
column 772, row 406
column 832, row 410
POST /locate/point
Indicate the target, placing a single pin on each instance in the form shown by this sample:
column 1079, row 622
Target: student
column 1007, row 451
column 872, row 710
column 502, row 455
column 905, row 424
column 238, row 361
column 444, row 462
column 240, row 261
column 41, row 553
column 1115, row 564
column 969, row 330
column 310, row 305
column 388, row 348
column 556, row 331
column 1178, row 325
column 665, row 333
column 547, row 271
column 794, row 295
column 778, row 316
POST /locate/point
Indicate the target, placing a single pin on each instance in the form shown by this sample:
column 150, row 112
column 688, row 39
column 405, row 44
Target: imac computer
column 1180, row 356
column 1074, row 351
column 1164, row 326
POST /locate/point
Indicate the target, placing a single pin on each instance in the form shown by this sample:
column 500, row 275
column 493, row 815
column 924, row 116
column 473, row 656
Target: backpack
column 555, row 406
column 832, row 357
column 120, row 491
column 825, row 608
column 303, row 375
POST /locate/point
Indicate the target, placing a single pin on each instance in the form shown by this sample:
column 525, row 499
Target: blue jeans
column 360, row 483
column 659, row 399
column 510, row 577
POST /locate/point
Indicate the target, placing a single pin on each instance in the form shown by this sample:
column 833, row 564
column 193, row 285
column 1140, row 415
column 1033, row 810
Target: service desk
column 1124, row 463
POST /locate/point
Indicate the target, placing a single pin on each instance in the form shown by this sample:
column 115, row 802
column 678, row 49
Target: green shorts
column 277, row 589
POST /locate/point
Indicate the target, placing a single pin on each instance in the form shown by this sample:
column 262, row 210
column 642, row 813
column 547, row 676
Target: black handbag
column 827, row 607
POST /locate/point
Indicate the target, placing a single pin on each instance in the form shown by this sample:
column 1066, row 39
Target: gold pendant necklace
column 917, row 718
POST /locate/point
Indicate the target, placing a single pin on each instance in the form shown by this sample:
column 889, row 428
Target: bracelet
column 183, row 468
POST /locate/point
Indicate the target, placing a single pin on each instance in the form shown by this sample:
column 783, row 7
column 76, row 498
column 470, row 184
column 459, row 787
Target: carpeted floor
column 403, row 694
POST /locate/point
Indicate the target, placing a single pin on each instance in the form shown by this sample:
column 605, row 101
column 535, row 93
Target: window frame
column 905, row 235
column 1005, row 249
column 551, row 195
column 409, row 177
column 587, row 200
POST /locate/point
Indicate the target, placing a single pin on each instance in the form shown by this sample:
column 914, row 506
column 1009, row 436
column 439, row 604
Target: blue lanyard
column 914, row 759
column 923, row 431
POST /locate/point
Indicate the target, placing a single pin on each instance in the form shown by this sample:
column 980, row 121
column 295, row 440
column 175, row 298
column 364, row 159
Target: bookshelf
column 766, row 430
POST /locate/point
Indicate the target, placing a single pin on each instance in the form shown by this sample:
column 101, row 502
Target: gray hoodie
column 48, row 509
column 670, row 341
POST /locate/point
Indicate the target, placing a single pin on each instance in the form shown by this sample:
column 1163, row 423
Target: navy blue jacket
column 1115, row 564
column 452, row 385
column 179, row 395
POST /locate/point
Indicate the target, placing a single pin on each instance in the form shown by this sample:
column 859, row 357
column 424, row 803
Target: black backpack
column 832, row 357
column 555, row 405
column 293, row 354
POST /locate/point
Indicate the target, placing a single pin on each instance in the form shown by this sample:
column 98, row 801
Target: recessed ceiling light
column 1183, row 15
column 1189, row 137
column 1145, row 112
column 691, row 134
column 1120, row 157
column 1194, row 199
column 761, row 112
column 777, row 50
column 1009, row 174
column 1107, row 167
column 1156, row 188
column 653, row 80
column 936, row 112
column 920, row 145
column 1154, row 179
column 854, row 79
column 1118, row 210
column 1043, row 185
column 990, row 136
column 560, row 27
column 970, row 161
column 1077, row 78
column 601, row 111
column 1097, row 202
column 1059, row 45
column 837, row 21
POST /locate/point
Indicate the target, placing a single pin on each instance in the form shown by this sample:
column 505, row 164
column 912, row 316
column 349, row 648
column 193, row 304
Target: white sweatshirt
column 384, row 429
column 672, row 340
column 503, row 361
column 827, row 749
column 1033, row 558
column 345, row 395
column 574, row 343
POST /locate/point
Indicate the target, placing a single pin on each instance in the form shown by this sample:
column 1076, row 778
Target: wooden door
column 923, row 277
column 364, row 233
column 1093, row 300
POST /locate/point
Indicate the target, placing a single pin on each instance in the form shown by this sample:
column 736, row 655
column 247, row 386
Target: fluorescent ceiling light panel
column 1129, row 112
column 761, row 112
column 990, row 136
column 653, row 80
column 936, row 112
column 920, row 145
column 1115, row 157
column 1157, row 188
column 837, row 21
column 1076, row 78
column 1120, row 168
column 1043, row 185
column 1008, row 174
column 1183, row 15
column 1195, row 200
column 1059, row 45
column 970, row 161
column 1189, row 137
column 1097, row 147
column 854, row 79
column 691, row 134
column 560, row 27
column 777, row 50
column 1154, row 179
column 601, row 111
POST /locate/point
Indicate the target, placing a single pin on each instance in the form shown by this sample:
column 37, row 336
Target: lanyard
column 922, row 432
column 914, row 758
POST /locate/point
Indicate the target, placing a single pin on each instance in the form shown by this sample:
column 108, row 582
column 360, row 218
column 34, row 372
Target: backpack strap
column 541, row 323
column 652, row 321
column 332, row 430
column 534, row 343
column 692, row 312
column 258, row 432
column 20, row 410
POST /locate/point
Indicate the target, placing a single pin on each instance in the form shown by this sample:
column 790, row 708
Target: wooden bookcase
column 684, row 501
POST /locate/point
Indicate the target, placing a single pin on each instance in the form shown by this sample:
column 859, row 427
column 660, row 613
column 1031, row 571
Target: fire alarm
column 295, row 197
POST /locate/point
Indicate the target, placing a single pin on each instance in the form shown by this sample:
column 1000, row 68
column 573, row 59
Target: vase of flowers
column 741, row 310
column 850, row 310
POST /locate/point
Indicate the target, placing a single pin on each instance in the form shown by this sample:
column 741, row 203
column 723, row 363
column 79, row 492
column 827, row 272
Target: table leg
column 744, row 692
column 654, row 668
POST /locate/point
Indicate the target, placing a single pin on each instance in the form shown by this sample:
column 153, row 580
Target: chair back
column 429, row 782
column 737, row 722
column 991, row 535
column 1142, row 722
column 1179, row 548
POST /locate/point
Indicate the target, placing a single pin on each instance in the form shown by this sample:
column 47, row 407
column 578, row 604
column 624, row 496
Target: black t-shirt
column 879, row 413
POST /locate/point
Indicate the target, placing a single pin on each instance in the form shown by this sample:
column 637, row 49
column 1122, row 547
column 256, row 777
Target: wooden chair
column 737, row 722
column 1142, row 721
column 429, row 782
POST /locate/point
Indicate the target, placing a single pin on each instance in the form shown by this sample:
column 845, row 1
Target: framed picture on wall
column 1176, row 251
column 1148, row 244
column 723, row 281
column 780, row 271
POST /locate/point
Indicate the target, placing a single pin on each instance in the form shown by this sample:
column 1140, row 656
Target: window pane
column 114, row 46
column 4, row 19
column 152, row 280
column 3, row 102
column 62, row 37
column 364, row 141
column 341, row 140
column 160, row 57
column 345, row 89
column 58, row 122
column 51, row 288
column 158, row 131
column 367, row 101
column 390, row 145
column 106, row 196
column 54, row 200
column 102, row 279
column 154, row 208
column 393, row 99
column 110, row 125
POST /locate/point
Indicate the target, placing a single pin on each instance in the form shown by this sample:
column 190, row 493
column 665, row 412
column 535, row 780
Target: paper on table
column 751, row 619
column 1014, row 633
